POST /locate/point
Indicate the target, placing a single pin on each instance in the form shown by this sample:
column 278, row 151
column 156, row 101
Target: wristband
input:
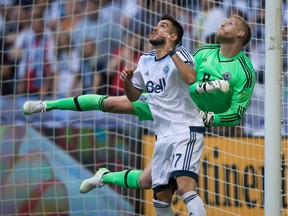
column 171, row 53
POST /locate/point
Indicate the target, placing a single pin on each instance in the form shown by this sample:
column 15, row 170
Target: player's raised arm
column 187, row 72
column 131, row 92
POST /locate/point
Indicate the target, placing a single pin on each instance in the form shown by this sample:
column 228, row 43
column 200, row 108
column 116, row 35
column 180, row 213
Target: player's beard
column 221, row 38
column 157, row 42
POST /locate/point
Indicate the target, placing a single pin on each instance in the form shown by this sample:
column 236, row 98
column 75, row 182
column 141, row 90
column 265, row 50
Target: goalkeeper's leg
column 133, row 179
column 114, row 104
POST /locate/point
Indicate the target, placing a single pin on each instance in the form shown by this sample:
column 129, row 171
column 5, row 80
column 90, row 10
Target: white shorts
column 177, row 155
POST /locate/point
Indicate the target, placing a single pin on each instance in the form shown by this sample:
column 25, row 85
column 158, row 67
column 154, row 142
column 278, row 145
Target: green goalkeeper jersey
column 229, row 107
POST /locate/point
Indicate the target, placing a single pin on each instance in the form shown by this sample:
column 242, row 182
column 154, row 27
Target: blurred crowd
column 63, row 48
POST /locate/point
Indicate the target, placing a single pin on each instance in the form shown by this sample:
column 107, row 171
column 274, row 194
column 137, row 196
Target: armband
column 171, row 53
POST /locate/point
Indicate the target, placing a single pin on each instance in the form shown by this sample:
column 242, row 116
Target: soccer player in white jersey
column 224, row 108
column 166, row 74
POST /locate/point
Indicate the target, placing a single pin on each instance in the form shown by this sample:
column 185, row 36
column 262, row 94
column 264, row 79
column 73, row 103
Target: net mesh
column 52, row 49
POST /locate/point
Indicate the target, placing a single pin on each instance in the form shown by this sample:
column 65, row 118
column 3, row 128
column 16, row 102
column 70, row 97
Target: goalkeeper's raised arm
column 232, row 102
column 224, row 61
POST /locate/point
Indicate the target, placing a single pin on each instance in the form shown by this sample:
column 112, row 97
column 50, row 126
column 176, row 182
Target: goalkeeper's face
column 228, row 31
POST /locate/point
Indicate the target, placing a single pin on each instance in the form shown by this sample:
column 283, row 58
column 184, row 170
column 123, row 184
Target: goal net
column 55, row 49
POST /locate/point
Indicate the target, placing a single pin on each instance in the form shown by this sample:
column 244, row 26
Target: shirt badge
column 143, row 98
column 226, row 76
column 166, row 69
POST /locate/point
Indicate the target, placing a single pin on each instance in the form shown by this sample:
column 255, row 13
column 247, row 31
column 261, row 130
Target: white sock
column 194, row 203
column 162, row 208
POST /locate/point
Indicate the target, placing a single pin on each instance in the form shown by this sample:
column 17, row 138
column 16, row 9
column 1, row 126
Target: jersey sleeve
column 186, row 56
column 141, row 108
column 192, row 89
column 137, row 79
column 197, row 58
column 242, row 93
column 197, row 54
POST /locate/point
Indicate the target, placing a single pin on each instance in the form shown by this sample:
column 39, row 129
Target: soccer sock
column 126, row 178
column 162, row 208
column 194, row 203
column 80, row 103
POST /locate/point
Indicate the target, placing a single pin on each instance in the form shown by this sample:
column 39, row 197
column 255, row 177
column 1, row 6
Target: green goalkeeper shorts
column 141, row 108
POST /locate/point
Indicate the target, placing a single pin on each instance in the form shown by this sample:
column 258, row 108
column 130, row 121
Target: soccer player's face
column 160, row 32
column 228, row 31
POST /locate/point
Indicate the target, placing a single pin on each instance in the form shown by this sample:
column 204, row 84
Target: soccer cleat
column 31, row 107
column 96, row 181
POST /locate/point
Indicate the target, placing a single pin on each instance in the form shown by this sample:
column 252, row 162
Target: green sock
column 126, row 178
column 80, row 103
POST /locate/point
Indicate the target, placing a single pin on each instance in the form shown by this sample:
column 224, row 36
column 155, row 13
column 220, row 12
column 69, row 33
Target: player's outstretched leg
column 126, row 178
column 80, row 103
column 133, row 179
column 93, row 182
column 31, row 107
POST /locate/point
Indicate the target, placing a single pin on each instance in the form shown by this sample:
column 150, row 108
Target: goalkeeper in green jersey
column 219, row 105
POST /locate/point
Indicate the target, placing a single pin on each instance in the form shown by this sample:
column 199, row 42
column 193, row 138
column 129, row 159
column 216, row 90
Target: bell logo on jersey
column 155, row 87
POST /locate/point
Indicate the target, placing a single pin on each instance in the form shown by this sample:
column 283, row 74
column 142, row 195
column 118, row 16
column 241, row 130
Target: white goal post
column 273, row 84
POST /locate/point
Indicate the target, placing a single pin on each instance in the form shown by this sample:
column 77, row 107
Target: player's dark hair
column 176, row 24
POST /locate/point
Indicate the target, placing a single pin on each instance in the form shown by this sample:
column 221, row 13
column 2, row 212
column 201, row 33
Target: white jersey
column 169, row 100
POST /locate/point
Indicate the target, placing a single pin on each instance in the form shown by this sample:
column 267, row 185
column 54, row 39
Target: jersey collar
column 225, row 59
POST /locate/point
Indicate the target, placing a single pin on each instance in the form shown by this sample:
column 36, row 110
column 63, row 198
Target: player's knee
column 118, row 104
column 185, row 183
column 109, row 104
column 182, row 189
column 145, row 182
column 163, row 193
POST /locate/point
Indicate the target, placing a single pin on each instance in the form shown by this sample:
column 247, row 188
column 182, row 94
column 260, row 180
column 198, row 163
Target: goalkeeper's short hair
column 247, row 29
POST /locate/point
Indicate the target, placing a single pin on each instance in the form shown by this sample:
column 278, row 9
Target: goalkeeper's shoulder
column 245, row 75
column 205, row 48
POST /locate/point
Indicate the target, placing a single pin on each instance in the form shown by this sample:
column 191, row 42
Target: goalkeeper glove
column 222, row 85
column 208, row 117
